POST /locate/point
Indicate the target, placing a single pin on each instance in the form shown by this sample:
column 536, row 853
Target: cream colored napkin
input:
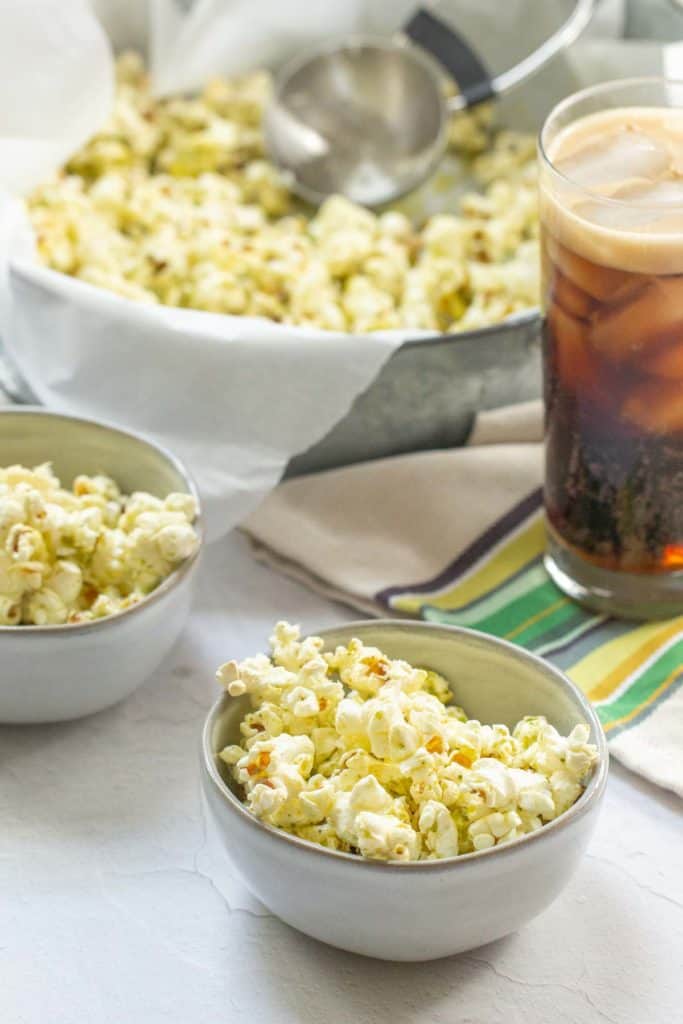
column 457, row 537
column 352, row 533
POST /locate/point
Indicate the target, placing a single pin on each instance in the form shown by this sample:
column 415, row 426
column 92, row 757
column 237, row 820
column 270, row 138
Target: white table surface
column 117, row 906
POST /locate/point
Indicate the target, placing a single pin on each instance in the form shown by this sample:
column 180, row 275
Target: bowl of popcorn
column 406, row 791
column 170, row 229
column 100, row 533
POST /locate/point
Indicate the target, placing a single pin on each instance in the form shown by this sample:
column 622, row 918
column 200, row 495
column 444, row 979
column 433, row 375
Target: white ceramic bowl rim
column 588, row 798
column 171, row 581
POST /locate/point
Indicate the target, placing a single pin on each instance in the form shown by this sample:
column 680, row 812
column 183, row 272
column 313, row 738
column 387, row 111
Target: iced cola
column 612, row 252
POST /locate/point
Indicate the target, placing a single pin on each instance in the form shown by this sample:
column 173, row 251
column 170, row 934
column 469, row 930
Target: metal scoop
column 368, row 118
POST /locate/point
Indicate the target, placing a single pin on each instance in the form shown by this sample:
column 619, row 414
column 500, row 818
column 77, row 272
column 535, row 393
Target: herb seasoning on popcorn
column 173, row 202
column 79, row 555
column 361, row 753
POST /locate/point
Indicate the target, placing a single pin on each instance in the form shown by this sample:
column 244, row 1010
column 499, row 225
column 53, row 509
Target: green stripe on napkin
column 500, row 587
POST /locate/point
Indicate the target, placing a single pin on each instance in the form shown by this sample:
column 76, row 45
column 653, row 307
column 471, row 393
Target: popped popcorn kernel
column 364, row 753
column 72, row 556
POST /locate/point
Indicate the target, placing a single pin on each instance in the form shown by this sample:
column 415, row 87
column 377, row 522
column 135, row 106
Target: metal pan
column 428, row 393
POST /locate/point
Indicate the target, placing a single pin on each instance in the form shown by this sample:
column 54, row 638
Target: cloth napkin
column 457, row 537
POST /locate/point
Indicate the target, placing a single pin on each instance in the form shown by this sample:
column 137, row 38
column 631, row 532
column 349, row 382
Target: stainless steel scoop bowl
column 367, row 118
column 364, row 119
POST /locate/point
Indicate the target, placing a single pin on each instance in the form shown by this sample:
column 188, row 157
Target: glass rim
column 596, row 90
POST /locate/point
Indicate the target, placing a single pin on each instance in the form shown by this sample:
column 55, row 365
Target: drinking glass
column 611, row 204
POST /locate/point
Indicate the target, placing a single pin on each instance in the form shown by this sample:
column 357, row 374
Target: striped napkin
column 457, row 537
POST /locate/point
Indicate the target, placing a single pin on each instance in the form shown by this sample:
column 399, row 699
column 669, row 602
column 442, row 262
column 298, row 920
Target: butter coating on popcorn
column 70, row 556
column 366, row 754
column 174, row 202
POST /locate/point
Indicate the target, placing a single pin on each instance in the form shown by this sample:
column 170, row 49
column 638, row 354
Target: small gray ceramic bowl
column 429, row 909
column 54, row 673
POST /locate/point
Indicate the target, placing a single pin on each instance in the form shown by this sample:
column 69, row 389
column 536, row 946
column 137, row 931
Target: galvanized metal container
column 427, row 394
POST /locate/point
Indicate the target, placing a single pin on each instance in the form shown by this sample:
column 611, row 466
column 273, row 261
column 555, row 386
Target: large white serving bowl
column 428, row 909
column 55, row 673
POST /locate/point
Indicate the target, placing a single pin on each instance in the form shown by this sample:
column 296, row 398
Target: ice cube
column 571, row 298
column 576, row 366
column 617, row 215
column 601, row 283
column 668, row 192
column 642, row 206
column 652, row 317
column 616, row 158
column 656, row 406
column 667, row 362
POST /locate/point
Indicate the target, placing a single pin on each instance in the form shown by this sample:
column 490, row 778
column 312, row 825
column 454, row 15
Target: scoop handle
column 455, row 54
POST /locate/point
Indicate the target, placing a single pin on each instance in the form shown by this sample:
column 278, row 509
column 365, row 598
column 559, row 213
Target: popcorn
column 439, row 830
column 78, row 555
column 363, row 753
column 385, row 837
column 173, row 202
